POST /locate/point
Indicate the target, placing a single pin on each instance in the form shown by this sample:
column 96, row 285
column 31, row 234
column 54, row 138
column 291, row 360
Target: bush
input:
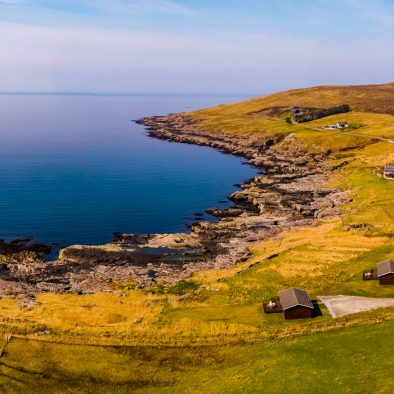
column 183, row 287
column 318, row 114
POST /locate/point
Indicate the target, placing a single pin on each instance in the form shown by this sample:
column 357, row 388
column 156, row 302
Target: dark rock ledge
column 292, row 192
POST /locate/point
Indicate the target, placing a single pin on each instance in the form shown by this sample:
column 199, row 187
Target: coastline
column 291, row 192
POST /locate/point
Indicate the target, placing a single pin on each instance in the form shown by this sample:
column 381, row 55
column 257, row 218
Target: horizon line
column 114, row 94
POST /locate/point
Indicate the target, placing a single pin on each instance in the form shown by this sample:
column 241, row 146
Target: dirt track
column 341, row 305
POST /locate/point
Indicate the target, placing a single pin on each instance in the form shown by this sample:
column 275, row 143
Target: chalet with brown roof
column 296, row 304
column 385, row 272
column 293, row 303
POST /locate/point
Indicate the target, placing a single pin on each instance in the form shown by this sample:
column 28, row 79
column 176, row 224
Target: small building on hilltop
column 336, row 126
column 388, row 172
column 385, row 272
column 296, row 304
column 342, row 125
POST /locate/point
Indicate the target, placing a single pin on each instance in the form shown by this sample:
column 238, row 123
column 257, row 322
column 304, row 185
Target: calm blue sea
column 74, row 169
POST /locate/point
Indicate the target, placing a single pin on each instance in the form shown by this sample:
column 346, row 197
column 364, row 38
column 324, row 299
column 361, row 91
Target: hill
column 365, row 98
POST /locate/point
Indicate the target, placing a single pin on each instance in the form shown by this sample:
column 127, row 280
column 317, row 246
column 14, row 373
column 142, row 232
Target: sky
column 189, row 46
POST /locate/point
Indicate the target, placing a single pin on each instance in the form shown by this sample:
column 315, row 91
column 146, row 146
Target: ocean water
column 74, row 169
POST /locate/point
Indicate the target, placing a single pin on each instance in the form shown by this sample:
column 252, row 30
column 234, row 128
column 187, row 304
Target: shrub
column 318, row 114
column 183, row 287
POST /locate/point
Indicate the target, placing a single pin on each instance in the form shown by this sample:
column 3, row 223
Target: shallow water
column 74, row 169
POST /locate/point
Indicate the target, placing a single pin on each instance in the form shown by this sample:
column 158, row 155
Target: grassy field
column 356, row 360
column 217, row 339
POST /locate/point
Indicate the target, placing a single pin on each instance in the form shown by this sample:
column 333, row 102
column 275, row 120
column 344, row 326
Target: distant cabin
column 336, row 126
column 388, row 172
column 385, row 272
column 296, row 304
column 342, row 125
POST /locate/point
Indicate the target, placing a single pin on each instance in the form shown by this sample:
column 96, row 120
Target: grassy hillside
column 318, row 355
column 372, row 108
column 313, row 363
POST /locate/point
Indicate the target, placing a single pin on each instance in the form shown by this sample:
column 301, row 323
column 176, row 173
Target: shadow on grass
column 316, row 309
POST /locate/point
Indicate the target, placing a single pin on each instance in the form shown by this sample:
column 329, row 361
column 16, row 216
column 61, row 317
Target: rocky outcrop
column 23, row 244
column 291, row 192
column 20, row 260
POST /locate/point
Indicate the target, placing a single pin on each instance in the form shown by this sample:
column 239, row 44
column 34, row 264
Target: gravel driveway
column 341, row 305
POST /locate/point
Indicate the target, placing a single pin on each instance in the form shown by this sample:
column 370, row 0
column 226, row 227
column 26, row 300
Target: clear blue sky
column 224, row 46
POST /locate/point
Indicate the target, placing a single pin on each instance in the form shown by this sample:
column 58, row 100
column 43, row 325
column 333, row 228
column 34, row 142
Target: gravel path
column 341, row 305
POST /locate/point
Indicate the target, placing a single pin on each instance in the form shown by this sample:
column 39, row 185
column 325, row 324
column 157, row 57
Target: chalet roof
column 294, row 297
column 389, row 168
column 385, row 268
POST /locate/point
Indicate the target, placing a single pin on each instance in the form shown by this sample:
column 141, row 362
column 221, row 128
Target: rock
column 27, row 301
column 107, row 255
column 223, row 213
column 358, row 227
column 40, row 333
column 24, row 264
column 24, row 244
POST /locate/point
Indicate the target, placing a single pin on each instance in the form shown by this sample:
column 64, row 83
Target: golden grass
column 368, row 98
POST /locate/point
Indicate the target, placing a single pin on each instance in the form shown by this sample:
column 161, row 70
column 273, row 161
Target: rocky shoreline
column 291, row 192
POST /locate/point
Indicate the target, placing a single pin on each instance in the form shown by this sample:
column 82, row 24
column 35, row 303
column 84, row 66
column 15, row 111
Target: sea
column 74, row 168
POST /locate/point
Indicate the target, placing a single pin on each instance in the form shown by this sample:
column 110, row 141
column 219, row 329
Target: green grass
column 339, row 361
column 373, row 201
column 183, row 287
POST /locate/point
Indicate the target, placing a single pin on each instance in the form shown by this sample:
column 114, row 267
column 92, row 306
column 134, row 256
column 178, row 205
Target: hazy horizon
column 120, row 93
column 87, row 93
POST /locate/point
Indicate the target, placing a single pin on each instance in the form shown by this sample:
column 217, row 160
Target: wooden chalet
column 296, row 304
column 293, row 303
column 385, row 272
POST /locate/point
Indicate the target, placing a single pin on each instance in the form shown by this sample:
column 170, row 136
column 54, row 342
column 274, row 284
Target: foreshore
column 291, row 191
